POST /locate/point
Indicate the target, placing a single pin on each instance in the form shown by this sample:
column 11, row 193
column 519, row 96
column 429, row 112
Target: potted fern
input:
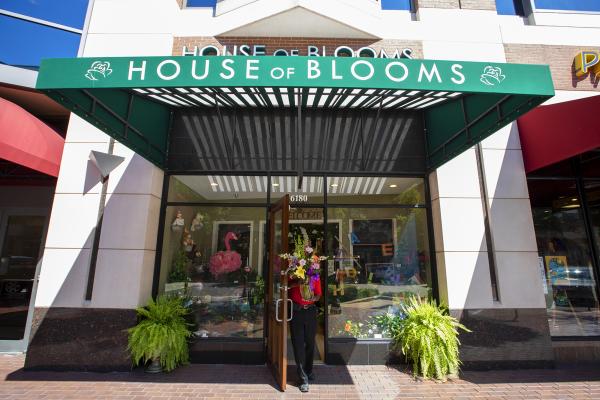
column 427, row 336
column 161, row 335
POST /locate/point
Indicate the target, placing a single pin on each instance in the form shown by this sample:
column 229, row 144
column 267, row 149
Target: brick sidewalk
column 255, row 382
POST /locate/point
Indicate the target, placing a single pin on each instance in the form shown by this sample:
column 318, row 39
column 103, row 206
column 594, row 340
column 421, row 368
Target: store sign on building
column 311, row 51
column 309, row 72
column 587, row 62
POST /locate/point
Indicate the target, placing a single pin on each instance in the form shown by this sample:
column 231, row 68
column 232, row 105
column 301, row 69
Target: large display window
column 565, row 200
column 372, row 229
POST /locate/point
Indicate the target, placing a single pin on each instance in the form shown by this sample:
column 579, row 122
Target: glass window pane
column 30, row 42
column 381, row 257
column 569, row 5
column 19, row 257
column 590, row 164
column 375, row 190
column 565, row 256
column 216, row 256
column 201, row 3
column 509, row 7
column 592, row 194
column 396, row 4
column 65, row 12
column 311, row 191
column 218, row 189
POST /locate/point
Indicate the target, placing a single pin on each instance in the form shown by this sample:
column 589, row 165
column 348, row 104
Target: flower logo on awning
column 492, row 76
column 98, row 69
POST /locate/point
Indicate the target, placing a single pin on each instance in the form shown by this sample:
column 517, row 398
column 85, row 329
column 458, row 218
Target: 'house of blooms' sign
column 312, row 72
column 311, row 50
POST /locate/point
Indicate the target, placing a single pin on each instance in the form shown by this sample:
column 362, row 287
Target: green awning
column 132, row 98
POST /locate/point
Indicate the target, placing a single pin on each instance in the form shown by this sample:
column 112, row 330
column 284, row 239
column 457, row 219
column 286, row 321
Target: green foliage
column 258, row 293
column 429, row 337
column 162, row 333
column 354, row 293
column 179, row 269
column 389, row 324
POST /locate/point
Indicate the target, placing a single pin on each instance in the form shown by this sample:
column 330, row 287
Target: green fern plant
column 428, row 336
column 162, row 333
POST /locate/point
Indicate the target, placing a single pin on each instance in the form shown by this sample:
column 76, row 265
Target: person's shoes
column 304, row 387
column 311, row 376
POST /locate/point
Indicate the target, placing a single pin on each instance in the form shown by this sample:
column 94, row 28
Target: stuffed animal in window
column 187, row 242
column 197, row 222
column 178, row 222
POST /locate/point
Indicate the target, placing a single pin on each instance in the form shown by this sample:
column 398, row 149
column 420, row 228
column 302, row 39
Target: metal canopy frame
column 138, row 111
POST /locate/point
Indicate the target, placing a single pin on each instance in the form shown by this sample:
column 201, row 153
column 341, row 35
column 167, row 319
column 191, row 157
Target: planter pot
column 154, row 367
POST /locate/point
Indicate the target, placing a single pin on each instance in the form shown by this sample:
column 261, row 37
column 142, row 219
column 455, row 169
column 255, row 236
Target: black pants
column 303, row 328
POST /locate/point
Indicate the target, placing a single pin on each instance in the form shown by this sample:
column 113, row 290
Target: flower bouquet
column 304, row 265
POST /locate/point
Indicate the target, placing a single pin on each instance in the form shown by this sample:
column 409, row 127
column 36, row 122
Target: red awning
column 27, row 141
column 553, row 133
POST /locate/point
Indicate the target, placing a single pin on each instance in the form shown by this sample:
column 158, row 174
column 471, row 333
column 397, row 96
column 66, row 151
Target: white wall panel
column 123, row 278
column 63, row 278
column 128, row 45
column 505, row 174
column 519, row 280
column 130, row 222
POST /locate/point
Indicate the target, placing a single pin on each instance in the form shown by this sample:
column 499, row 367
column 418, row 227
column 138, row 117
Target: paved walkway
column 255, row 382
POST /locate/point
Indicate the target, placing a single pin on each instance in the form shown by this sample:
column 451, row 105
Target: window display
column 213, row 259
column 381, row 259
column 215, row 241
column 563, row 245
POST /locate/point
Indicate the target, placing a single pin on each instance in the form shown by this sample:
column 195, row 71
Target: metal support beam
column 125, row 122
column 299, row 143
column 225, row 139
column 467, row 126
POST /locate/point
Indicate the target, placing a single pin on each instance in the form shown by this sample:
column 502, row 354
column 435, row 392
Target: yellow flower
column 300, row 271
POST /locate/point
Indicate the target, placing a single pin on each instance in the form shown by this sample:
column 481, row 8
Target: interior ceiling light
column 393, row 185
column 574, row 199
column 334, row 185
column 214, row 184
column 276, row 184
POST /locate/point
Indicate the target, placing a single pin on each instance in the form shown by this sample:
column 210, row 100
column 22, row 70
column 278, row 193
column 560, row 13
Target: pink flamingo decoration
column 226, row 261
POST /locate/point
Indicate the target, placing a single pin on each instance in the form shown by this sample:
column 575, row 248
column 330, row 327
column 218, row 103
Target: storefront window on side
column 565, row 259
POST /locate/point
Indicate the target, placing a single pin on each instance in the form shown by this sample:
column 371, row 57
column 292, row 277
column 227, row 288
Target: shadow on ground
column 193, row 373
column 562, row 373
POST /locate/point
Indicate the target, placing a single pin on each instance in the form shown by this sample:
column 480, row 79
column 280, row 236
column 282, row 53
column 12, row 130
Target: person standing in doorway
column 303, row 327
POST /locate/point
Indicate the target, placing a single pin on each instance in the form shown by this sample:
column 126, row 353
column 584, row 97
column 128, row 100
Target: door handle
column 291, row 309
column 277, row 311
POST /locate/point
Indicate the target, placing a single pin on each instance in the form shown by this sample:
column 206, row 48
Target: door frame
column 20, row 345
column 277, row 327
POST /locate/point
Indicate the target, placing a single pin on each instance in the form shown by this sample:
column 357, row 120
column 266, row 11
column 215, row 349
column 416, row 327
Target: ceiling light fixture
column 334, row 185
column 276, row 184
column 393, row 185
column 214, row 184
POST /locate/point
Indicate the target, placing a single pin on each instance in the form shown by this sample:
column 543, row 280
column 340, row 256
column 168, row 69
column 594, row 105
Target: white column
column 511, row 221
column 125, row 264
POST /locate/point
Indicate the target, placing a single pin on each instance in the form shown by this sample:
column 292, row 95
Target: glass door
column 21, row 238
column 308, row 222
column 277, row 301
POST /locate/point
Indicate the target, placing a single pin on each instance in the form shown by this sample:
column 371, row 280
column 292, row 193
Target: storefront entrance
column 350, row 141
column 215, row 247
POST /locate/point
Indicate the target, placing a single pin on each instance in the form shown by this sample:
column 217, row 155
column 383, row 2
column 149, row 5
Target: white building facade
column 462, row 232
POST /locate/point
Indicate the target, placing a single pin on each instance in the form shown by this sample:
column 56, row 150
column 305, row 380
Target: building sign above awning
column 270, row 71
column 131, row 98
